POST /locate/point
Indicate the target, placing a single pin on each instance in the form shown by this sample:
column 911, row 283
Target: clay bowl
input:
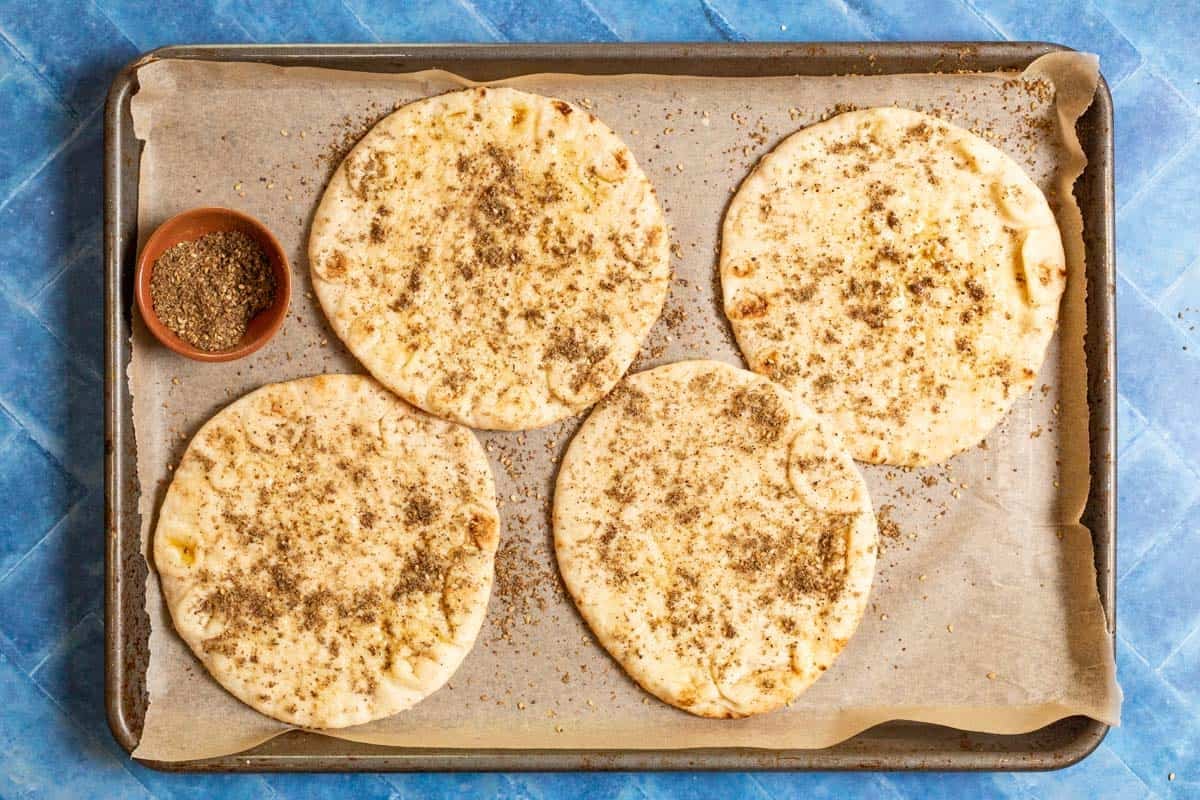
column 191, row 225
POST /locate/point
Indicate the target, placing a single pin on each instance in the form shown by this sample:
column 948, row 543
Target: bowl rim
column 145, row 267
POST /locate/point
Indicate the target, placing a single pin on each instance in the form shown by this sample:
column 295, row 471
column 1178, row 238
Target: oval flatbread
column 899, row 274
column 715, row 537
column 327, row 551
column 494, row 257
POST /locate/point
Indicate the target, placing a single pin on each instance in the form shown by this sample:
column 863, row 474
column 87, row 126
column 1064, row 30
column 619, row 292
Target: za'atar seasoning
column 207, row 290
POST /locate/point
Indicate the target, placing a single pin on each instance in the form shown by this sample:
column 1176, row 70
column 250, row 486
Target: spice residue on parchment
column 520, row 580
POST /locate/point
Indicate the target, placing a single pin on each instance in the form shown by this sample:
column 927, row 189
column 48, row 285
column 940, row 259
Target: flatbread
column 715, row 536
column 492, row 256
column 899, row 274
column 327, row 550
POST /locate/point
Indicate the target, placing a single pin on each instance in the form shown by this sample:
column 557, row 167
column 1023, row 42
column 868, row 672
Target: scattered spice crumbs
column 887, row 526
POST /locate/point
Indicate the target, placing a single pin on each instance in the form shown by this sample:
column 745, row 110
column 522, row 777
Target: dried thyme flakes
column 207, row 291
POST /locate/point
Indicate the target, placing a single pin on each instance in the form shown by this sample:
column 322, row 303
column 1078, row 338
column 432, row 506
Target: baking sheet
column 990, row 573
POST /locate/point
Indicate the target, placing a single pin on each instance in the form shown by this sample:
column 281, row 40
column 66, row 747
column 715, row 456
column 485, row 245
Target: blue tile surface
column 436, row 22
column 50, row 219
column 1157, row 260
column 672, row 21
column 692, row 785
column 1154, row 123
column 56, row 60
column 322, row 21
column 155, row 23
column 37, row 491
column 781, row 20
column 1159, row 736
column 312, row 787
column 8, row 59
column 68, row 307
column 1130, row 423
column 47, row 755
column 61, row 403
column 59, row 40
column 949, row 787
column 1158, row 492
column 1152, row 594
column 1165, row 34
column 553, row 20
column 1159, row 368
column 449, row 787
column 784, row 786
column 1182, row 668
column 957, row 21
column 1182, row 303
column 1106, row 776
column 1076, row 23
column 60, row 581
column 45, row 122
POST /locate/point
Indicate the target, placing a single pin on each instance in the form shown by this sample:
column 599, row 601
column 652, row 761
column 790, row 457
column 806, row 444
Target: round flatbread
column 327, row 550
column 899, row 274
column 715, row 536
column 494, row 257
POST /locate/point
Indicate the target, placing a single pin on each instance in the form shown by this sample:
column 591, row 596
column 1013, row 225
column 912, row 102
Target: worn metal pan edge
column 891, row 746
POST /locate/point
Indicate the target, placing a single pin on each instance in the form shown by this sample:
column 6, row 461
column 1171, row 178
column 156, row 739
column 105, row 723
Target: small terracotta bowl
column 191, row 225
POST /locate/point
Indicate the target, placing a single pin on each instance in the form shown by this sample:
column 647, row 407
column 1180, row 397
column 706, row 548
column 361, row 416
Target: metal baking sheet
column 895, row 745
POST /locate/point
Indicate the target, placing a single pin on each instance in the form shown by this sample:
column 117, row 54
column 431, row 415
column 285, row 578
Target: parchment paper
column 984, row 613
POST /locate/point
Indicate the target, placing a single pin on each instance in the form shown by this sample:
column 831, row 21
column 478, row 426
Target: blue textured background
column 56, row 61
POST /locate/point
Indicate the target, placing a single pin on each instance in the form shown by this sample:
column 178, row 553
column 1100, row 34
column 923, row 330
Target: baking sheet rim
column 116, row 243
